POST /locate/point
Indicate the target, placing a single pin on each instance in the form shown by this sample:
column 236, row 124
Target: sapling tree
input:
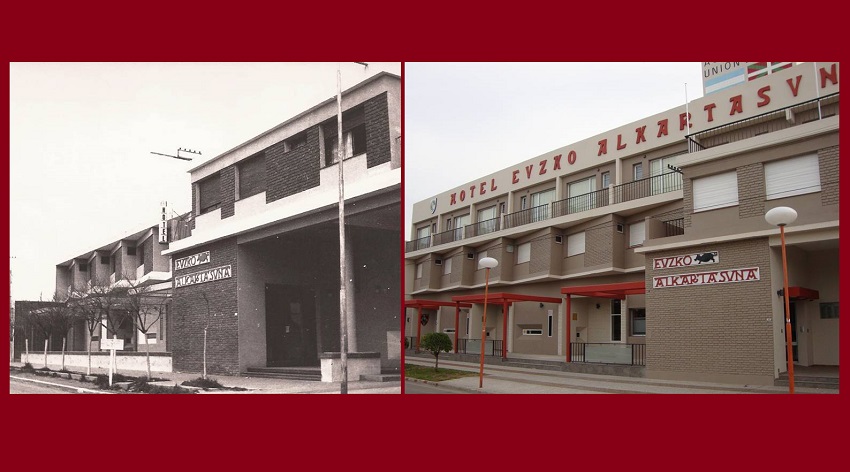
column 145, row 309
column 93, row 308
column 436, row 343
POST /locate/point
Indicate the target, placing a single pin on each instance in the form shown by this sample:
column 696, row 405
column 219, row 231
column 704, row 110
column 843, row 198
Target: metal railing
column 655, row 185
column 579, row 203
column 417, row 244
column 492, row 347
column 529, row 215
column 448, row 236
column 483, row 227
column 608, row 353
column 674, row 227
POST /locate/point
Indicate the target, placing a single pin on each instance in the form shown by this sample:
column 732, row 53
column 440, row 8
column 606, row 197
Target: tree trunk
column 148, row 353
column 45, row 353
column 88, row 351
column 205, row 353
column 64, row 340
column 436, row 362
column 27, row 347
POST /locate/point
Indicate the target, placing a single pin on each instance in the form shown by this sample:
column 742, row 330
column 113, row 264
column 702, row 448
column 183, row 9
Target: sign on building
column 163, row 225
column 192, row 261
column 107, row 344
column 700, row 258
column 749, row 274
column 209, row 275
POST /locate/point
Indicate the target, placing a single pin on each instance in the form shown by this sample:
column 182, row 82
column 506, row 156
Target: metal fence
column 482, row 227
column 608, row 353
column 529, row 215
column 579, row 203
column 417, row 244
column 662, row 183
column 492, row 347
column 674, row 227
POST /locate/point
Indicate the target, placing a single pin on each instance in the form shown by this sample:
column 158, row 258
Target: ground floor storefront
column 270, row 298
column 710, row 312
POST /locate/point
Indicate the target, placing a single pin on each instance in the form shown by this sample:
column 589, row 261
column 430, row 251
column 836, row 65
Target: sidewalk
column 254, row 385
column 516, row 380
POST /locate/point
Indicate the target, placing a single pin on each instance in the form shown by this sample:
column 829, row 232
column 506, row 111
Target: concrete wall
column 79, row 360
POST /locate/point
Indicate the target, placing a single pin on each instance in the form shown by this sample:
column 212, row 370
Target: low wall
column 160, row 361
column 358, row 363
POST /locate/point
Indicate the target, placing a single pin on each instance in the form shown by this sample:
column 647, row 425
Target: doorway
column 290, row 326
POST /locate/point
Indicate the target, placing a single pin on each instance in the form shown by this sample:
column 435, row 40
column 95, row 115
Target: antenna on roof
column 178, row 156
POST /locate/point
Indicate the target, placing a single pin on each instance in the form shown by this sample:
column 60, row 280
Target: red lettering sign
column 763, row 96
column 514, row 178
column 640, row 136
column 662, row 128
column 709, row 108
column 542, row 168
column 603, row 147
column 794, row 87
column 737, row 105
column 832, row 75
column 571, row 157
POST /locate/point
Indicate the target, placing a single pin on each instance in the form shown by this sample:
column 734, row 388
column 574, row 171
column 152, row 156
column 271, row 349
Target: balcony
column 482, row 227
column 651, row 186
column 580, row 203
column 417, row 244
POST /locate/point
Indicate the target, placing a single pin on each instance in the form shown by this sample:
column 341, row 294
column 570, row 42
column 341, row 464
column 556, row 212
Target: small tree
column 436, row 343
column 93, row 307
column 61, row 318
column 145, row 310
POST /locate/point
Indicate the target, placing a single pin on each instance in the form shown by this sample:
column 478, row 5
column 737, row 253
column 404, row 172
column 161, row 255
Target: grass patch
column 428, row 373
column 205, row 384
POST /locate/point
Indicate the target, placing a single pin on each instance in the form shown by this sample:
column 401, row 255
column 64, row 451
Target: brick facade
column 288, row 173
column 598, row 245
column 828, row 160
column 189, row 313
column 377, row 130
column 751, row 191
column 541, row 255
column 712, row 329
column 149, row 248
column 228, row 191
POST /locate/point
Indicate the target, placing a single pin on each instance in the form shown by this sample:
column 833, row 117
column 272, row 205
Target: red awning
column 502, row 298
column 802, row 293
column 617, row 291
column 430, row 304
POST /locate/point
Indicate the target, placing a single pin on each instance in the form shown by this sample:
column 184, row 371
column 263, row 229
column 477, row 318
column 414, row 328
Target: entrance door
column 793, row 307
column 290, row 326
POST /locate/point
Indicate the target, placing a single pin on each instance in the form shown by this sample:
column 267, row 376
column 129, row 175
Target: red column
column 457, row 315
column 418, row 325
column 504, row 330
column 569, row 318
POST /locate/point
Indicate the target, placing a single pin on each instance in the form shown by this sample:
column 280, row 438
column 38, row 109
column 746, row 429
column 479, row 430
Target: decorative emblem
column 433, row 205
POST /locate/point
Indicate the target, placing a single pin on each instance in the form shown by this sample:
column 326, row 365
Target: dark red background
column 215, row 432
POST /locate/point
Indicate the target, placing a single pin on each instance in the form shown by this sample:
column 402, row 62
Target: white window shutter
column 523, row 253
column 575, row 244
column 788, row 177
column 637, row 233
column 716, row 191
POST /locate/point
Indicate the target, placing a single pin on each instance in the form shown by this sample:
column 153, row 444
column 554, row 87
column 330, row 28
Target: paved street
column 515, row 380
column 413, row 387
column 21, row 386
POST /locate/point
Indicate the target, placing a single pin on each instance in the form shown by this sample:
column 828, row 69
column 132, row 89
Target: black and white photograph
column 205, row 227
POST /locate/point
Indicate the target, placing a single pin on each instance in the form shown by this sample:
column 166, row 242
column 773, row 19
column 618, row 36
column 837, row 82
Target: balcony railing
column 529, row 215
column 482, row 227
column 674, row 227
column 448, row 236
column 579, row 203
column 608, row 353
column 656, row 185
column 417, row 244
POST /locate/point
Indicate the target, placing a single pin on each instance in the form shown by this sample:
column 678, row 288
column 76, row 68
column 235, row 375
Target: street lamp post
column 487, row 263
column 781, row 216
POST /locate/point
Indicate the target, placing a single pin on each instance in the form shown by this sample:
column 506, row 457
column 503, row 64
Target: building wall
column 190, row 315
column 712, row 332
column 378, row 145
column 291, row 172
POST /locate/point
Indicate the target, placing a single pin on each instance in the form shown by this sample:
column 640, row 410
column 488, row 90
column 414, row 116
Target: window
column 616, row 334
column 448, row 223
column 829, row 311
column 210, row 194
column 502, row 207
column 616, row 307
column 295, row 142
column 487, row 220
column 131, row 250
column 449, row 330
column 104, row 259
column 481, row 255
column 419, row 270
column 637, row 233
column 637, row 171
column 575, row 244
column 638, row 325
column 523, row 253
column 447, row 266
column 83, row 267
column 540, row 202
column 141, row 252
column 580, row 196
column 788, row 177
column 671, row 181
column 550, row 325
column 606, row 179
column 460, row 222
column 523, row 202
column 252, row 175
column 716, row 191
column 532, row 332
column 353, row 141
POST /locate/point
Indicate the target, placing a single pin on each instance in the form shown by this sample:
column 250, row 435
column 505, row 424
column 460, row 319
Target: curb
column 438, row 384
column 55, row 385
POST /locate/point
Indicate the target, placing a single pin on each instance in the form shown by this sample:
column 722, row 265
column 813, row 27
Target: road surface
column 419, row 387
column 21, row 386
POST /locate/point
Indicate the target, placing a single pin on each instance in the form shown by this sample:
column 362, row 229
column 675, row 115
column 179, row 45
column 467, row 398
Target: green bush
column 436, row 343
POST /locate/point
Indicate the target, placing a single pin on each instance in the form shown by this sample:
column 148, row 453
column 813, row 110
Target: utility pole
column 343, row 321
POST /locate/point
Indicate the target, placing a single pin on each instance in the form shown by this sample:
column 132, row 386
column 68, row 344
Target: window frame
column 572, row 242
